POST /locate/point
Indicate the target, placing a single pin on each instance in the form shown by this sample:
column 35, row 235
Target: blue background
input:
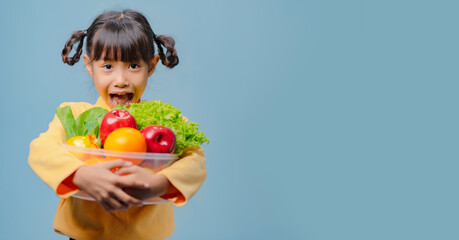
column 327, row 119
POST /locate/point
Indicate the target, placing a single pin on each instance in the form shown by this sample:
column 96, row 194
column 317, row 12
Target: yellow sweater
column 82, row 219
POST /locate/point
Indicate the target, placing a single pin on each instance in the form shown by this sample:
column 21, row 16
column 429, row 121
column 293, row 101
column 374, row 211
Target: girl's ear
column 153, row 63
column 87, row 63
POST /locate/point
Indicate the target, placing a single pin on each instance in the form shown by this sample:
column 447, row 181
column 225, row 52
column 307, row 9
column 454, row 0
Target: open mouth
column 124, row 98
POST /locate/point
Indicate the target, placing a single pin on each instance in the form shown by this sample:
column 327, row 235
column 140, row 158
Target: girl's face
column 120, row 82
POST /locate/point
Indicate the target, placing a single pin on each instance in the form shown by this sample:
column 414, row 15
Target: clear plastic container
column 155, row 162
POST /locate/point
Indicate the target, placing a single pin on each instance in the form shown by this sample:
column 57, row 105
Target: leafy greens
column 87, row 123
column 156, row 112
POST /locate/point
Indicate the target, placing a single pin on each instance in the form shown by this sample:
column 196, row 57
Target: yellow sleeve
column 187, row 174
column 51, row 162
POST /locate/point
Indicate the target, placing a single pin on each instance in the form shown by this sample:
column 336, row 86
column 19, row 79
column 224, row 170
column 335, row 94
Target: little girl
column 120, row 56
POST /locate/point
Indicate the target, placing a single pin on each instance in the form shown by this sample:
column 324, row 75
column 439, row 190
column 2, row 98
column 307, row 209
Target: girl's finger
column 114, row 203
column 126, row 198
column 116, row 163
column 106, row 206
column 126, row 170
column 127, row 182
column 108, row 201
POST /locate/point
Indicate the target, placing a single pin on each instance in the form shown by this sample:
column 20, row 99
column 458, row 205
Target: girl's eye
column 108, row 66
column 134, row 66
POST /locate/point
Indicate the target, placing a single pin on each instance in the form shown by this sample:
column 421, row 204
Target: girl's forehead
column 127, row 43
column 110, row 53
column 114, row 53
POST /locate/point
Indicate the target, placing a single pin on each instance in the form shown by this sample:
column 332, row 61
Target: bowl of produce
column 154, row 162
column 149, row 134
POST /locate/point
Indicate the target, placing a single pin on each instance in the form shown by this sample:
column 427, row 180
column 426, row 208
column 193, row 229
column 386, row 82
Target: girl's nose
column 121, row 80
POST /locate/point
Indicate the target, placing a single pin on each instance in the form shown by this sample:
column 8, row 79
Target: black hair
column 125, row 36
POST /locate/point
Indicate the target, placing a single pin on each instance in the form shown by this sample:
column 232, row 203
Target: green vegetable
column 156, row 112
column 87, row 123
column 68, row 121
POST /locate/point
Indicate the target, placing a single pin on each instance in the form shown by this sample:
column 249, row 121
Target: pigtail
column 169, row 59
column 77, row 36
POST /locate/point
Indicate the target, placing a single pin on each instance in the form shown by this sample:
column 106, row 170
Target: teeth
column 124, row 98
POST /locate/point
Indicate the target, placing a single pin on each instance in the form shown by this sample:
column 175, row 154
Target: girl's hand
column 158, row 183
column 106, row 187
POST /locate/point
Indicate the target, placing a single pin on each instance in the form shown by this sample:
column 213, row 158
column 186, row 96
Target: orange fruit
column 126, row 140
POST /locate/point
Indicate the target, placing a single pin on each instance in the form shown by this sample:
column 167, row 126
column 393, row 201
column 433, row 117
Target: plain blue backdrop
column 327, row 119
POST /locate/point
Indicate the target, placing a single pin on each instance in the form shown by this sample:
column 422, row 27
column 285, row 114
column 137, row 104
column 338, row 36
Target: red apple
column 113, row 120
column 159, row 139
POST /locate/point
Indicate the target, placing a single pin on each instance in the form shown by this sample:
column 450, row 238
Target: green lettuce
column 156, row 112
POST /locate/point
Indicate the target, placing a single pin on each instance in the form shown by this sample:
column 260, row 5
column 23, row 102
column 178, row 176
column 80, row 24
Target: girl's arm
column 179, row 182
column 158, row 184
column 186, row 175
column 58, row 168
column 51, row 162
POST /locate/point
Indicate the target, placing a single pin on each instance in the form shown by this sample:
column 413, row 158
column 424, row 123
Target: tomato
column 126, row 140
